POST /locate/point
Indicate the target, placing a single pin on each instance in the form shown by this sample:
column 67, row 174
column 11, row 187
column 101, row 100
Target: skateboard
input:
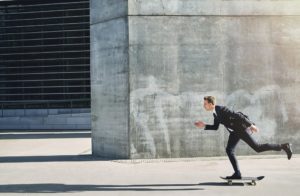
column 249, row 180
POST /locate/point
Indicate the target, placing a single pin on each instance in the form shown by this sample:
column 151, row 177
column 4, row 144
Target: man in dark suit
column 239, row 127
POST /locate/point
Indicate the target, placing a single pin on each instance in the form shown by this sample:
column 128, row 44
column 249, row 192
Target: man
column 239, row 127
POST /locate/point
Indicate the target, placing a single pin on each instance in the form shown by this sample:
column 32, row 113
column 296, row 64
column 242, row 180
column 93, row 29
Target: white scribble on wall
column 141, row 119
column 255, row 106
column 151, row 117
column 188, row 103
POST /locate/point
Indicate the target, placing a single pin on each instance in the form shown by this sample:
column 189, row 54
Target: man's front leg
column 232, row 142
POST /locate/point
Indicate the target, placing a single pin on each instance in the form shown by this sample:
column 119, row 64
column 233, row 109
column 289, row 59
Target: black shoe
column 288, row 149
column 234, row 176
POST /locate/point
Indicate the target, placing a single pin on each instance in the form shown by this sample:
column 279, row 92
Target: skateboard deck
column 250, row 180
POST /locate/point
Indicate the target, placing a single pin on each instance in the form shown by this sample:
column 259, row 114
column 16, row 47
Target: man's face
column 208, row 106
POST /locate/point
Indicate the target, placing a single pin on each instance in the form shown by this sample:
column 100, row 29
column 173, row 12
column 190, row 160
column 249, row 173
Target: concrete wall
column 109, row 78
column 244, row 53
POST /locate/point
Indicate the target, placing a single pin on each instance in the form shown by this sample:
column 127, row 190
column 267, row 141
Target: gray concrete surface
column 61, row 164
column 109, row 79
column 244, row 53
column 213, row 7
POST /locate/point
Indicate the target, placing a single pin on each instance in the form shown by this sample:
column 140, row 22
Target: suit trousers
column 244, row 135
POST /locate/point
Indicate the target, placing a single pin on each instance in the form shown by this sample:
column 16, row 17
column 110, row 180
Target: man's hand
column 254, row 129
column 199, row 124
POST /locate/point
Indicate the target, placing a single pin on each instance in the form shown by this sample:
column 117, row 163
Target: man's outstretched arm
column 201, row 124
column 215, row 126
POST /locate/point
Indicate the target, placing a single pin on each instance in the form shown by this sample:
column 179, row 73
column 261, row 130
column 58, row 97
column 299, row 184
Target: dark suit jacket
column 229, row 119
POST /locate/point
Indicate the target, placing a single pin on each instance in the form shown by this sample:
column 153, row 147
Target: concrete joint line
column 107, row 20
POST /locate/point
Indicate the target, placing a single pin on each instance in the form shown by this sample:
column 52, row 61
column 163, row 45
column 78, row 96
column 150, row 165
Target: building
column 153, row 61
column 139, row 82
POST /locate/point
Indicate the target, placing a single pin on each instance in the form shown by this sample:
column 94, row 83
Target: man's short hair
column 210, row 99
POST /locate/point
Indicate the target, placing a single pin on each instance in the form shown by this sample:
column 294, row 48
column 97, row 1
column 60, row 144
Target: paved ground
column 43, row 163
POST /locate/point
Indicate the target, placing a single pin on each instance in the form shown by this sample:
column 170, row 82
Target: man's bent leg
column 246, row 137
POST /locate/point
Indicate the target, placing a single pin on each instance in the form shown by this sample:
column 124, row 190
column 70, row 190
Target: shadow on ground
column 52, row 158
column 221, row 184
column 60, row 188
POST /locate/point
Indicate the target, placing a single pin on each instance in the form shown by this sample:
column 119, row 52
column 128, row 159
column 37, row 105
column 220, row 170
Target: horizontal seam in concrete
column 125, row 46
column 194, row 16
column 107, row 20
column 222, row 15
